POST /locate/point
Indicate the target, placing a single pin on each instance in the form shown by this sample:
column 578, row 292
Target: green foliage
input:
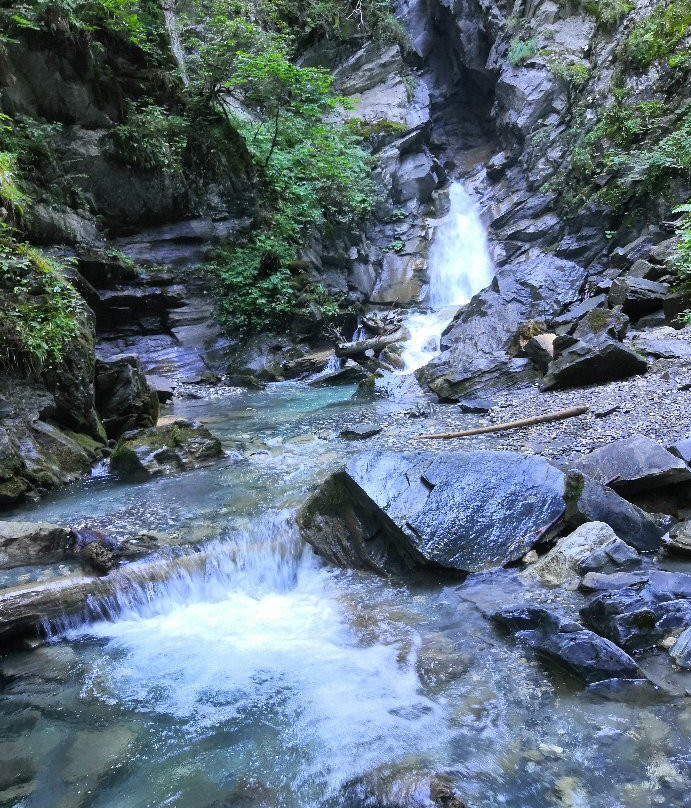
column 313, row 177
column 397, row 245
column 522, row 50
column 11, row 196
column 139, row 22
column 608, row 12
column 41, row 309
column 631, row 153
column 575, row 74
column 681, row 260
column 657, row 35
column 151, row 138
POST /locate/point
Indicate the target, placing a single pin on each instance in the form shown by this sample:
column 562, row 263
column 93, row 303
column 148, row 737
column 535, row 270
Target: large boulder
column 589, row 501
column 585, row 363
column 568, row 644
column 180, row 446
column 634, row 464
column 465, row 511
column 32, row 542
column 124, row 398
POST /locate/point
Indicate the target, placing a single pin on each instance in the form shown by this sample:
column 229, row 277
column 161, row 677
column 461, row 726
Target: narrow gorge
column 260, row 264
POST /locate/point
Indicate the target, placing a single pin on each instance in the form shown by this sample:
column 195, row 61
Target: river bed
column 272, row 680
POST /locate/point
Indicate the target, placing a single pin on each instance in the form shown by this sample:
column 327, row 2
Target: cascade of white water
column 459, row 267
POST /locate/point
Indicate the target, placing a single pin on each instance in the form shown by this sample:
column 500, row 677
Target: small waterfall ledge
column 459, row 267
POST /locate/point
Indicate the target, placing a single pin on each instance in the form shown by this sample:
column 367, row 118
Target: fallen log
column 375, row 344
column 560, row 415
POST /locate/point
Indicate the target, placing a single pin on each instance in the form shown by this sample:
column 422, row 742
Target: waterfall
column 459, row 267
column 171, row 24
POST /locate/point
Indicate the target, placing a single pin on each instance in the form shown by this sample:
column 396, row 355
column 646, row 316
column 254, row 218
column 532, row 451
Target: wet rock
column 641, row 616
column 361, row 431
column 583, row 364
column 609, row 581
column 477, row 357
column 5, row 408
column 568, row 644
column 180, row 446
column 678, row 540
column 675, row 305
column 601, row 324
column 634, row 464
column 561, row 563
column 681, row 650
column 350, row 373
column 31, row 543
column 476, row 405
column 307, row 365
column 613, row 556
column 95, row 549
column 401, row 786
column 164, row 388
column 637, row 296
column 465, row 511
column 124, row 398
column 386, row 385
column 589, row 501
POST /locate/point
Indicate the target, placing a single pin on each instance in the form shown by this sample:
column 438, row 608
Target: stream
column 272, row 680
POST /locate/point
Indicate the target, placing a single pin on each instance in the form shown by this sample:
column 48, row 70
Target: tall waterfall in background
column 459, row 267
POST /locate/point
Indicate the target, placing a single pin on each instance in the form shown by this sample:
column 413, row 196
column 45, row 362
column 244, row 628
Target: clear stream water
column 268, row 679
column 459, row 266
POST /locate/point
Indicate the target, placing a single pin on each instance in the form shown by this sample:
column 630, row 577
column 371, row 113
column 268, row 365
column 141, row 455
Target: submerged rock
column 180, row 446
column 464, row 511
column 634, row 464
column 401, row 786
column 32, row 542
column 568, row 644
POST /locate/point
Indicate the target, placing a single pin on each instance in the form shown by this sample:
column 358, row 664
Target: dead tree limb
column 560, row 415
column 375, row 344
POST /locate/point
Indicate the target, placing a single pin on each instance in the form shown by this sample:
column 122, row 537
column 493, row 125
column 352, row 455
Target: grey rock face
column 568, row 644
column 613, row 556
column 634, row 464
column 466, row 511
column 678, row 540
column 681, row 650
column 32, row 542
column 123, row 396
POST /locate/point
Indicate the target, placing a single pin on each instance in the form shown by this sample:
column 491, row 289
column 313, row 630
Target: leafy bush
column 575, row 74
column 151, row 138
column 521, row 51
column 11, row 196
column 658, row 34
column 608, row 12
column 41, row 309
column 681, row 261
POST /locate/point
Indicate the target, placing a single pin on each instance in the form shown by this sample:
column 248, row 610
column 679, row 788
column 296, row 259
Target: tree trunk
column 375, row 344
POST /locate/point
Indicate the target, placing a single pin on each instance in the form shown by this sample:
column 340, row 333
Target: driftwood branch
column 560, row 415
column 375, row 344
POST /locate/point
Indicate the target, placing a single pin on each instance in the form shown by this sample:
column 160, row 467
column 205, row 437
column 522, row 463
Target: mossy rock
column 155, row 451
column 13, row 489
